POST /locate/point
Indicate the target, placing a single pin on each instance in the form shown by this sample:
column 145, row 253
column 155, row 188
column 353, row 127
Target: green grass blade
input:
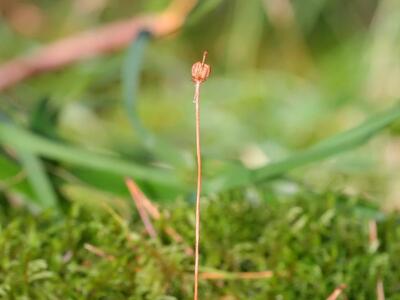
column 130, row 80
column 331, row 146
column 130, row 83
column 12, row 178
column 38, row 178
column 21, row 139
column 231, row 176
column 204, row 8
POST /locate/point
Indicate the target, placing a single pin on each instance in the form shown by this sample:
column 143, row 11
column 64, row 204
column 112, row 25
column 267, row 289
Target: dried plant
column 200, row 73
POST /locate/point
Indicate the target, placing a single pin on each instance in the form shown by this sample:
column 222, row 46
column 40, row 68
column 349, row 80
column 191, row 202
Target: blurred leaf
column 203, row 8
column 225, row 180
column 7, row 168
column 95, row 199
column 332, row 146
column 229, row 175
column 329, row 147
column 43, row 119
column 309, row 13
column 22, row 139
column 12, row 178
column 38, row 178
column 105, row 181
column 245, row 35
column 130, row 82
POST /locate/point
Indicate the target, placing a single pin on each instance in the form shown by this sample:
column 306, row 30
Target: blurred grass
column 30, row 145
column 21, row 139
column 130, row 81
column 38, row 178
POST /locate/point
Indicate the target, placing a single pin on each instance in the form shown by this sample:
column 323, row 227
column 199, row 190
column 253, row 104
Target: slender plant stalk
column 198, row 153
column 200, row 73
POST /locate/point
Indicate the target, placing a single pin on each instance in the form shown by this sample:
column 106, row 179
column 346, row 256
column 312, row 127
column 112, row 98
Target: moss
column 312, row 243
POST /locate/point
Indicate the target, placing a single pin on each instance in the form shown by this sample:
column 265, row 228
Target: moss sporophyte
column 200, row 73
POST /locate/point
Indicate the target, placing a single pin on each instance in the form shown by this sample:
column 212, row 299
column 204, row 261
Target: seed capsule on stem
column 200, row 73
column 201, row 70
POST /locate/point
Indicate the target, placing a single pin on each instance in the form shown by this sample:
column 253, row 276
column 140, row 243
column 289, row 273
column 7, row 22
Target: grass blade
column 12, row 178
column 38, row 178
column 329, row 147
column 130, row 83
column 332, row 146
column 204, row 8
column 21, row 139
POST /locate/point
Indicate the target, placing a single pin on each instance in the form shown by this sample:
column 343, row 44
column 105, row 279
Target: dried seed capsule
column 200, row 70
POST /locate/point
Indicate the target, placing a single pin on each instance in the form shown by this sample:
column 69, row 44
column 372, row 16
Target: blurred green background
column 300, row 139
column 286, row 75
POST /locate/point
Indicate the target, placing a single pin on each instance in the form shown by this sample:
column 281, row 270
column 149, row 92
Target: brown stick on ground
column 373, row 233
column 136, row 192
column 337, row 292
column 99, row 252
column 138, row 200
column 92, row 43
column 154, row 213
column 374, row 244
column 380, row 291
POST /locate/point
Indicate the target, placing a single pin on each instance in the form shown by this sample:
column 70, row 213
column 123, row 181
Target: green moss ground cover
column 312, row 243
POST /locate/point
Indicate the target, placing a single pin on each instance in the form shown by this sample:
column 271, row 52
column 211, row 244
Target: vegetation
column 300, row 139
column 312, row 243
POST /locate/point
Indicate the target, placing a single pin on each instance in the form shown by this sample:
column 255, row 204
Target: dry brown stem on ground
column 380, row 291
column 151, row 209
column 337, row 292
column 137, row 198
column 374, row 244
column 136, row 192
column 373, row 233
column 98, row 252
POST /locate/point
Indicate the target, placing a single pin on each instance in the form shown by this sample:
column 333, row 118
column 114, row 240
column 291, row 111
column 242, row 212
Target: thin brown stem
column 200, row 73
column 198, row 153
